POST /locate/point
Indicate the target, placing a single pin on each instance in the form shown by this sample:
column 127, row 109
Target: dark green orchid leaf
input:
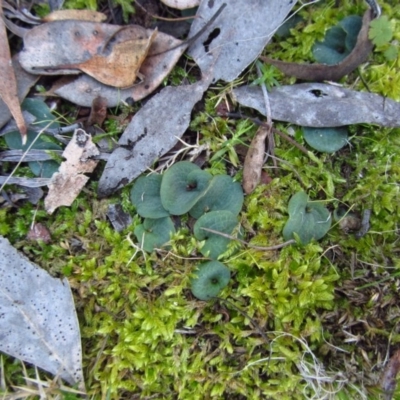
column 44, row 169
column 307, row 220
column 145, row 196
column 221, row 221
column 326, row 140
column 44, row 118
column 222, row 194
column 182, row 186
column 352, row 26
column 154, row 233
column 211, row 278
column 284, row 30
column 339, row 41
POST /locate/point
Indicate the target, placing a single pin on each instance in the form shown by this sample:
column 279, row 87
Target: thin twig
column 277, row 131
column 291, row 141
column 268, row 113
column 270, row 248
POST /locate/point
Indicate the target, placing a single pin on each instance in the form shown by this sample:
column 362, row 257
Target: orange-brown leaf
column 120, row 67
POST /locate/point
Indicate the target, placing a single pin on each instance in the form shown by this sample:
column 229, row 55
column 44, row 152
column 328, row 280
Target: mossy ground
column 301, row 322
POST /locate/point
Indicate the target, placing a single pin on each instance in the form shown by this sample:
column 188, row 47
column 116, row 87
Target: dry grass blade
column 8, row 82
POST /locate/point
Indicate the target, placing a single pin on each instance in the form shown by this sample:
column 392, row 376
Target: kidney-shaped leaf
column 211, row 278
column 222, row 194
column 327, row 140
column 38, row 322
column 145, row 196
column 154, row 233
column 309, row 220
column 221, row 221
column 44, row 118
column 339, row 41
column 182, row 186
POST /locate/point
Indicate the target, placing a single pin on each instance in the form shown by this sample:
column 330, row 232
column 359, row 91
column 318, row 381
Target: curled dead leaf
column 321, row 72
column 8, row 82
column 254, row 160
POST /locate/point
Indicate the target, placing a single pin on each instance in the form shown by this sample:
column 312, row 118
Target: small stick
column 271, row 248
column 192, row 39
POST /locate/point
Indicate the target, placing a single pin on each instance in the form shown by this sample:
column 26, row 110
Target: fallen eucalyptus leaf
column 84, row 89
column 68, row 182
column 64, row 42
column 238, row 36
column 153, row 131
column 321, row 105
column 38, row 319
column 120, row 67
column 27, row 182
column 8, row 81
column 24, row 82
column 321, row 72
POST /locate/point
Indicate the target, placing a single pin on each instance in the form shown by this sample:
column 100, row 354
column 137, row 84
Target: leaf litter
column 228, row 38
column 38, row 318
column 213, row 55
column 8, row 82
column 67, row 183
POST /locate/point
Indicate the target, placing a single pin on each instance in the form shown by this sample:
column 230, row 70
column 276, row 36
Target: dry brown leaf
column 121, row 67
column 110, row 54
column 321, row 72
column 84, row 89
column 66, row 184
column 8, row 82
column 98, row 112
column 81, row 15
column 254, row 160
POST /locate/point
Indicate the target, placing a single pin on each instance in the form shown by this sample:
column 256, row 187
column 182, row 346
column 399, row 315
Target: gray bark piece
column 321, row 105
column 153, row 131
column 245, row 28
column 38, row 322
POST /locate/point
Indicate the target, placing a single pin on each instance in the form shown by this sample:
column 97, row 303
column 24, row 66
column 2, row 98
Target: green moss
column 143, row 332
